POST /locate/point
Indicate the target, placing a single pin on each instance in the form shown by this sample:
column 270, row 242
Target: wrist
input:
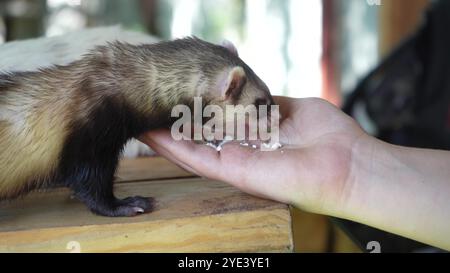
column 347, row 187
column 370, row 161
column 398, row 189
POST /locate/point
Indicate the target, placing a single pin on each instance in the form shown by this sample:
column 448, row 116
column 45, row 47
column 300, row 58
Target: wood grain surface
column 192, row 215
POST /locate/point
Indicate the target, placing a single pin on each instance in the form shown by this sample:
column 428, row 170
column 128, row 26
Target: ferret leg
column 90, row 157
column 94, row 187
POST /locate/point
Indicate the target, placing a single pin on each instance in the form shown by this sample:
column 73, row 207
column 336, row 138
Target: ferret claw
column 127, row 207
column 138, row 209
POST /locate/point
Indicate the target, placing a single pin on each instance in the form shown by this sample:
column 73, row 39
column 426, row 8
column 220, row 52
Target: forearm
column 401, row 190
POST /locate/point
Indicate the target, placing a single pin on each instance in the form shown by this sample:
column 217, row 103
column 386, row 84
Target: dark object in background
column 23, row 19
column 407, row 97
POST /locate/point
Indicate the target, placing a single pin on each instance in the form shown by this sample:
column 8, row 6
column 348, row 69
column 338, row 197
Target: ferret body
column 67, row 124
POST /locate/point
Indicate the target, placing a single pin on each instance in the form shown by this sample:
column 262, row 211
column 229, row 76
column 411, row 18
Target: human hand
column 312, row 171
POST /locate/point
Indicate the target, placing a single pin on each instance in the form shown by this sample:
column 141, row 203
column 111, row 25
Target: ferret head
column 234, row 82
column 178, row 71
column 190, row 67
column 195, row 68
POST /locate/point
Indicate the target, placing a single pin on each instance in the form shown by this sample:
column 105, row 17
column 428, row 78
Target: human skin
column 329, row 165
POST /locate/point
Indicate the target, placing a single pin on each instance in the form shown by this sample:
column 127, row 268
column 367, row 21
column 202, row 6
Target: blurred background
column 300, row 48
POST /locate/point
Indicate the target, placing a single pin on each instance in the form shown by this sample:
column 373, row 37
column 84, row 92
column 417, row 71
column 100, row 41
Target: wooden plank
column 191, row 215
column 257, row 231
column 149, row 168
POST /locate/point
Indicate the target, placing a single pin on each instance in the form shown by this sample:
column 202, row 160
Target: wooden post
column 398, row 19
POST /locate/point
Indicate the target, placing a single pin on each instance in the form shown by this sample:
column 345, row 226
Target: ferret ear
column 234, row 83
column 230, row 46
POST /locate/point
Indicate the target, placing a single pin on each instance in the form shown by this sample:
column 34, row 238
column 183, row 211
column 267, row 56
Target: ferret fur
column 67, row 124
column 32, row 54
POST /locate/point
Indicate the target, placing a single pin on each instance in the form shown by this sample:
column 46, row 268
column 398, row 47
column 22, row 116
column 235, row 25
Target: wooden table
column 192, row 215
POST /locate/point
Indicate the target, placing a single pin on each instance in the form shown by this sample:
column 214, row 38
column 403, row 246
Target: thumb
column 227, row 165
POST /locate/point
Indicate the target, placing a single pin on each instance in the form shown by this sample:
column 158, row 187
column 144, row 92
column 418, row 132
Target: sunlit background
column 300, row 48
column 282, row 40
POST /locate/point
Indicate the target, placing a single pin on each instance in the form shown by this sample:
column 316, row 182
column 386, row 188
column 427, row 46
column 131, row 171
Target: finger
column 198, row 157
column 203, row 160
column 163, row 152
column 286, row 105
column 248, row 169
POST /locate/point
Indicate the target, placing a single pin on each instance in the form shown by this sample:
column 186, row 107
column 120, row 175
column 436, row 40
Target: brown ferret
column 66, row 125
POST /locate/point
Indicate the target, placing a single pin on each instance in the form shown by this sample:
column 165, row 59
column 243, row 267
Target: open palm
column 312, row 171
